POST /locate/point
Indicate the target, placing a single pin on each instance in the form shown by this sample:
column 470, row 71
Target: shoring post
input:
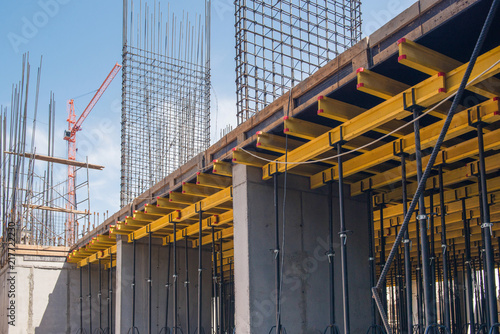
column 149, row 281
column 277, row 256
column 186, row 285
column 221, row 289
column 407, row 249
column 90, row 296
column 175, row 275
column 81, row 300
column 331, row 259
column 371, row 254
column 214, row 284
column 467, row 262
column 446, row 292
column 133, row 286
column 487, row 232
column 382, row 256
column 167, row 285
column 428, row 284
column 200, row 269
column 110, row 292
column 99, row 295
column 343, row 243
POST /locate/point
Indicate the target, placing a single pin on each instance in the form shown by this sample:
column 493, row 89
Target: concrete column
column 123, row 285
column 305, row 296
column 159, row 260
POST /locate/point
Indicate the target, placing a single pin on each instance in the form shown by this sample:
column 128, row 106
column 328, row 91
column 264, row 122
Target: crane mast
column 74, row 126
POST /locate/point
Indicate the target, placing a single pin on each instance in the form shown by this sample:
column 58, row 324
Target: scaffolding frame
column 165, row 95
column 280, row 43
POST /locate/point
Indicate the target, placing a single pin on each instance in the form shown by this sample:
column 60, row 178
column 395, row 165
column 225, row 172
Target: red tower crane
column 70, row 136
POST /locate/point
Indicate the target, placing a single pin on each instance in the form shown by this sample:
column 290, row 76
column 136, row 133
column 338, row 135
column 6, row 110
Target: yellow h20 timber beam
column 425, row 94
column 222, row 168
column 341, row 111
column 214, row 181
column 210, row 202
column 431, row 62
column 488, row 112
column 378, row 85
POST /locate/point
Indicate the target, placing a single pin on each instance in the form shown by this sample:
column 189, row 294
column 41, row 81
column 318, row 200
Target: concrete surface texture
column 305, row 296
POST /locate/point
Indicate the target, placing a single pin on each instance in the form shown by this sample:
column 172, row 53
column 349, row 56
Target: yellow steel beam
column 378, row 85
column 488, row 113
column 426, row 60
column 303, row 129
column 155, row 209
column 449, row 155
column 197, row 190
column 216, row 200
column 223, row 234
column 275, row 143
column 385, row 88
column 216, row 221
column 214, row 181
column 244, row 158
column 222, row 168
column 341, row 111
column 425, row 93
column 181, row 198
column 166, row 203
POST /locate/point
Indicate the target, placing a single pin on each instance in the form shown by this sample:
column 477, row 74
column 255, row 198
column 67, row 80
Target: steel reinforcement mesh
column 280, row 43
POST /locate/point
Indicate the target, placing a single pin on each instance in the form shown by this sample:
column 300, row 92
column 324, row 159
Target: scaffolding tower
column 165, row 95
column 280, row 43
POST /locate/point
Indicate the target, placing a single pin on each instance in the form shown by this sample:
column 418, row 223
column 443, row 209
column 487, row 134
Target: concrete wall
column 305, row 296
column 45, row 296
column 124, row 269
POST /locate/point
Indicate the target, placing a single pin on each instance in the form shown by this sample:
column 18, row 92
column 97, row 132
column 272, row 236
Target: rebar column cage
column 280, row 43
column 165, row 96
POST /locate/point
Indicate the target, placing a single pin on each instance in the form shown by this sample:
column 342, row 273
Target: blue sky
column 81, row 41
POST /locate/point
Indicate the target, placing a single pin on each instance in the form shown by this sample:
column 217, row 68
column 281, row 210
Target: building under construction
column 362, row 200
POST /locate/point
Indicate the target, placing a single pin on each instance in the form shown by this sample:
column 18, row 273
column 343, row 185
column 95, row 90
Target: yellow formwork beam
column 275, row 143
column 488, row 113
column 303, row 129
column 449, row 155
column 341, row 111
column 180, row 198
column 216, row 221
column 222, row 168
column 469, row 171
column 155, row 209
column 223, row 234
column 166, row 203
column 385, row 88
column 428, row 61
column 197, row 190
column 378, row 85
column 425, row 93
column 214, row 181
column 210, row 202
column 245, row 158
